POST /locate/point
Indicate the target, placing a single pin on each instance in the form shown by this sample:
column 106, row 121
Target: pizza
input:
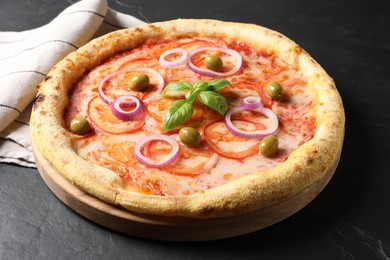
column 190, row 118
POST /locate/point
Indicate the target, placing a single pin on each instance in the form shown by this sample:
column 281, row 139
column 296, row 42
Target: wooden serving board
column 172, row 228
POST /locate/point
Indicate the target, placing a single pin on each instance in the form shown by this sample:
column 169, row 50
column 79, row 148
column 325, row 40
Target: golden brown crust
column 306, row 165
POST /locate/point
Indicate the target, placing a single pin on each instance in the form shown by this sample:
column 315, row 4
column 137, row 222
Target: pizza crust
column 305, row 166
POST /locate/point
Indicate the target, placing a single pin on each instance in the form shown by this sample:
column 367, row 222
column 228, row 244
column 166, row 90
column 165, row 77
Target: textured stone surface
column 349, row 220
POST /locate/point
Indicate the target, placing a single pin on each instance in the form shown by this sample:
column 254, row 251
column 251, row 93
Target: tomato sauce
column 222, row 157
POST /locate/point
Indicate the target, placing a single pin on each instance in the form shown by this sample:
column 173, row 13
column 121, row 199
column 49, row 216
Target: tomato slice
column 219, row 139
column 102, row 118
column 121, row 151
column 111, row 151
column 156, row 109
column 244, row 89
column 191, row 162
column 228, row 61
column 139, row 62
column 265, row 98
column 195, row 43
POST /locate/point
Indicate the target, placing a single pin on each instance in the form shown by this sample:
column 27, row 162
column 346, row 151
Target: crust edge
column 312, row 160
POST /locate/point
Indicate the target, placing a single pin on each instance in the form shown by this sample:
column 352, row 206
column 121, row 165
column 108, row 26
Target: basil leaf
column 201, row 85
column 218, row 84
column 191, row 96
column 177, row 86
column 198, row 88
column 214, row 101
column 177, row 113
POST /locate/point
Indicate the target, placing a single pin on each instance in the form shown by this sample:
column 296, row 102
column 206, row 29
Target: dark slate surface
column 350, row 219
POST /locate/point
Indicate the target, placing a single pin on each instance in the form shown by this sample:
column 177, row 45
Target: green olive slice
column 269, row 145
column 274, row 90
column 80, row 126
column 139, row 82
column 213, row 62
column 190, row 136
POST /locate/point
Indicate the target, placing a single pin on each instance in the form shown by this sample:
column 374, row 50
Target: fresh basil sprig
column 177, row 113
column 181, row 110
column 214, row 101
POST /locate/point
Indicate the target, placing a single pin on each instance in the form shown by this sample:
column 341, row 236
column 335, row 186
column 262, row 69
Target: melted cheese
column 205, row 167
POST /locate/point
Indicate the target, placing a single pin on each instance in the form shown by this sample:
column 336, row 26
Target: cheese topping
column 222, row 157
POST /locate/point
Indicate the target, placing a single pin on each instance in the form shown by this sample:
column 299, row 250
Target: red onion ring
column 119, row 103
column 154, row 72
column 252, row 102
column 170, row 158
column 252, row 134
column 210, row 73
column 211, row 162
column 176, row 63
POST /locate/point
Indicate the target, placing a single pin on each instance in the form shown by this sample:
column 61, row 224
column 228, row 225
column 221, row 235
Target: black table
column 350, row 219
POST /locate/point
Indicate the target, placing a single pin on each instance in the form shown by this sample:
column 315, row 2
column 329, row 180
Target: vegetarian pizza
column 194, row 118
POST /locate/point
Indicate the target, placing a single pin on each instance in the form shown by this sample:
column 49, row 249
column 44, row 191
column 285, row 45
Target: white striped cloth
column 26, row 57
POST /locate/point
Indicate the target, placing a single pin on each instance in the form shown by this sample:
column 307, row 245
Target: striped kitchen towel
column 26, row 57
